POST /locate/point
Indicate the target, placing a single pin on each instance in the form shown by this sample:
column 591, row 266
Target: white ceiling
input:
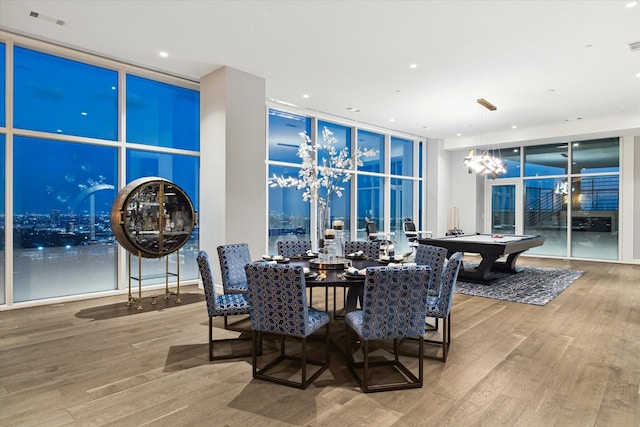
column 551, row 67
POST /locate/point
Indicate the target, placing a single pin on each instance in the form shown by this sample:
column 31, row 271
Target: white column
column 233, row 170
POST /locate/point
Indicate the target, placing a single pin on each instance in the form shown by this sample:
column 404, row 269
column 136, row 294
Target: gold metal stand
column 140, row 278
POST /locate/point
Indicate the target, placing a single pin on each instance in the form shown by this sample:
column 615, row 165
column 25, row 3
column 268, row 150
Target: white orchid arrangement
column 330, row 175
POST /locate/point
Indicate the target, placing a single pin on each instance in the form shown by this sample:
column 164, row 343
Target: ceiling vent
column 635, row 46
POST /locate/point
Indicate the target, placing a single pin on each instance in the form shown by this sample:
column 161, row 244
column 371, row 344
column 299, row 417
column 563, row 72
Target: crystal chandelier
column 484, row 164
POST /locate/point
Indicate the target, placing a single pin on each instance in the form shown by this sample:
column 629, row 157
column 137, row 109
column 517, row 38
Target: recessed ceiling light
column 392, row 120
column 305, row 96
column 638, row 75
column 413, row 66
column 163, row 54
column 59, row 130
column 514, row 127
column 515, row 150
column 84, row 113
column 458, row 134
column 113, row 88
column 631, row 4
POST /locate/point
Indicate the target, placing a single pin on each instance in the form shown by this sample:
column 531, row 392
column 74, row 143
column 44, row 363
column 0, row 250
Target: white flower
column 321, row 181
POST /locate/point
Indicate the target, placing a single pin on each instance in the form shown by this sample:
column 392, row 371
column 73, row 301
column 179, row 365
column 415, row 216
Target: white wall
column 465, row 194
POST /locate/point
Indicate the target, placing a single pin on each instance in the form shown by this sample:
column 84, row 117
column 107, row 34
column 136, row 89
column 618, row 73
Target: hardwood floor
column 573, row 362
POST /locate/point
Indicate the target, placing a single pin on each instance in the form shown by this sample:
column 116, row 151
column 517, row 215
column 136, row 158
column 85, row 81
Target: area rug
column 533, row 285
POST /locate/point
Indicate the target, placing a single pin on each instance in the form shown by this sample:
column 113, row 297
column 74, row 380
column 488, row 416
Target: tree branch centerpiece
column 321, row 180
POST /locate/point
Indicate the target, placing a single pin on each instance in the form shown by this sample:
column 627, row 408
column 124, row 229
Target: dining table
column 337, row 276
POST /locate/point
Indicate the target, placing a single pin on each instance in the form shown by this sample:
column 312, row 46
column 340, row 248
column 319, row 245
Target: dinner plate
column 399, row 260
column 311, row 275
column 356, row 257
column 307, row 256
column 354, row 276
column 283, row 261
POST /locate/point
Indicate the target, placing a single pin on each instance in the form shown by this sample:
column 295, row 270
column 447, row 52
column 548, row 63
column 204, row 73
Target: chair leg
column 229, row 355
column 446, row 339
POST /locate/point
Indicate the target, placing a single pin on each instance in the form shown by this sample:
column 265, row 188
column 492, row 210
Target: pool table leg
column 482, row 273
column 508, row 266
column 485, row 267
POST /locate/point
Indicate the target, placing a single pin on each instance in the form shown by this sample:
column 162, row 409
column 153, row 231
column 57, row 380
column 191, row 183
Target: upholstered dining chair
column 394, row 308
column 369, row 248
column 434, row 257
column 278, row 306
column 233, row 258
column 440, row 306
column 220, row 305
column 291, row 248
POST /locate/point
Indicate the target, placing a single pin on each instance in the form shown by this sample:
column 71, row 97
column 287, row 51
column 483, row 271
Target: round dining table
column 337, row 277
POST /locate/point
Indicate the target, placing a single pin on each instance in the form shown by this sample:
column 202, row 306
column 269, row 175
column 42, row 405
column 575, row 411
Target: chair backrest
column 207, row 281
column 289, row 248
column 448, row 283
column 395, row 301
column 233, row 258
column 410, row 230
column 278, row 299
column 434, row 257
column 370, row 228
column 369, row 248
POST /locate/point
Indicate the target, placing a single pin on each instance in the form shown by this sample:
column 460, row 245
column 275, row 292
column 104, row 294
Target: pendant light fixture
column 484, row 164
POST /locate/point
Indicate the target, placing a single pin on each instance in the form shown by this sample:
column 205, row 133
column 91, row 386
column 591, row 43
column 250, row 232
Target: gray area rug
column 533, row 285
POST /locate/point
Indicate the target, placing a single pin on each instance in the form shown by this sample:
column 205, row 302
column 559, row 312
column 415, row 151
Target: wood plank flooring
column 573, row 362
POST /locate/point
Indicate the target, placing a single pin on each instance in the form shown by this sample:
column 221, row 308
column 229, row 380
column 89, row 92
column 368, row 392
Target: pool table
column 490, row 247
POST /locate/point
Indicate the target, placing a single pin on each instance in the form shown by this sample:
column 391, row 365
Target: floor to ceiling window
column 289, row 214
column 67, row 152
column 370, row 182
column 595, row 192
column 362, row 198
column 3, row 97
column 402, row 196
column 161, row 115
column 571, row 195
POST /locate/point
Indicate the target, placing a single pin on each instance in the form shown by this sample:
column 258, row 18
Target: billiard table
column 490, row 247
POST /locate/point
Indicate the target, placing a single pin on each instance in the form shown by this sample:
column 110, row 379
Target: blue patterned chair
column 292, row 248
column 434, row 257
column 233, row 258
column 370, row 248
column 394, row 308
column 440, row 306
column 220, row 305
column 278, row 305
